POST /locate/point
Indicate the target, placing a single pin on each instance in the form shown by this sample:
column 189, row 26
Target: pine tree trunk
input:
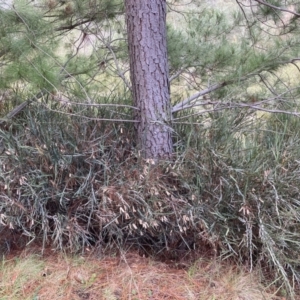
column 146, row 29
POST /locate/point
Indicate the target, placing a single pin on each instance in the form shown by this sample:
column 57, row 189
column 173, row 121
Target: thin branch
column 267, row 84
column 183, row 105
column 178, row 73
column 277, row 7
column 94, row 119
column 277, row 111
column 72, row 26
column 52, row 57
column 218, row 106
column 108, row 46
column 247, row 21
column 120, row 73
column 295, row 65
column 21, row 107
column 67, row 102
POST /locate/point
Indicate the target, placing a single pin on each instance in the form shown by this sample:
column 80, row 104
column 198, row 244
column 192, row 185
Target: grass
column 74, row 183
column 128, row 276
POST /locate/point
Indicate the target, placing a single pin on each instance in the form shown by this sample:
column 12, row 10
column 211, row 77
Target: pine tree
column 217, row 55
column 147, row 40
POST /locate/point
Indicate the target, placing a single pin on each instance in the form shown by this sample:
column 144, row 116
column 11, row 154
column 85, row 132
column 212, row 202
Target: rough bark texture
column 146, row 27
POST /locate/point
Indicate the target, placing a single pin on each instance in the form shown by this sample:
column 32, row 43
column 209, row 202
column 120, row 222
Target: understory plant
column 231, row 188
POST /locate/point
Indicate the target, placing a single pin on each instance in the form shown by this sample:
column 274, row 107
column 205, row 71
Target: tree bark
column 146, row 29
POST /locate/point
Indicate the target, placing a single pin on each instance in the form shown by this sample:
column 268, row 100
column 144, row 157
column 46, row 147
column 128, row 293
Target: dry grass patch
column 127, row 277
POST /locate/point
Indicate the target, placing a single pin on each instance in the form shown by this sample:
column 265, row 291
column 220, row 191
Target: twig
column 277, row 7
column 185, row 104
column 67, row 102
column 20, row 107
column 218, row 105
column 182, row 105
column 176, row 75
column 94, row 119
column 120, row 73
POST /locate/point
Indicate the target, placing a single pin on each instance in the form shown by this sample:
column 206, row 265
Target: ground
column 27, row 274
